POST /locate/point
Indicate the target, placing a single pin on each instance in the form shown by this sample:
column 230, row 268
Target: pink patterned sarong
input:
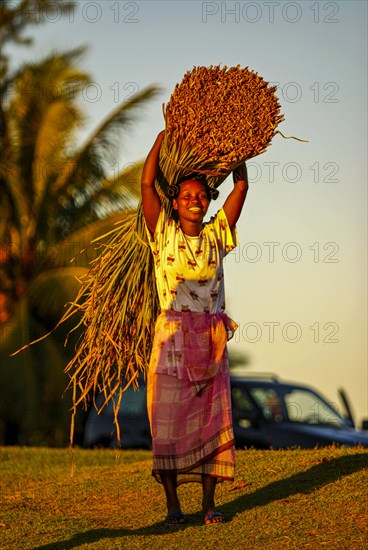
column 188, row 396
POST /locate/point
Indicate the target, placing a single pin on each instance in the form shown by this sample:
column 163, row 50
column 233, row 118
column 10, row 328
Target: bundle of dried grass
column 117, row 304
column 216, row 118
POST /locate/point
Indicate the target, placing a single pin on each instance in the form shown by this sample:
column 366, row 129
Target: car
column 267, row 414
column 271, row 414
column 133, row 421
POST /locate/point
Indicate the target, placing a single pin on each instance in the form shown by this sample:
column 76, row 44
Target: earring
column 172, row 191
column 214, row 193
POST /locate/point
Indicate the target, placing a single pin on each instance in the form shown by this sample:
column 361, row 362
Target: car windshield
column 295, row 404
column 306, row 406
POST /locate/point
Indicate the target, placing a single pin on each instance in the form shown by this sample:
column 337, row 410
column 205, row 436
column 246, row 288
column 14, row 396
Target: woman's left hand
column 240, row 173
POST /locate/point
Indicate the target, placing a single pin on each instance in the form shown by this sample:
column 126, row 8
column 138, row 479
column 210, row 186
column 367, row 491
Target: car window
column 242, row 404
column 133, row 402
column 244, row 409
column 269, row 401
column 306, row 406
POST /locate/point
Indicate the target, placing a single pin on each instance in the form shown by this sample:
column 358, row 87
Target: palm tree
column 55, row 197
column 17, row 16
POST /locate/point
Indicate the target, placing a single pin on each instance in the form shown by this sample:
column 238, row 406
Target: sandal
column 211, row 519
column 175, row 519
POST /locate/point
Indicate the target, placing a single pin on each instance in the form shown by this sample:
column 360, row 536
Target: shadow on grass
column 306, row 482
column 327, row 471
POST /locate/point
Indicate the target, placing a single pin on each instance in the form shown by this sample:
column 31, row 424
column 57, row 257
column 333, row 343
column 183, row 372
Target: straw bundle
column 215, row 119
column 117, row 303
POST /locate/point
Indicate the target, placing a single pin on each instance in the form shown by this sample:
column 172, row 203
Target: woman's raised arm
column 234, row 202
column 151, row 202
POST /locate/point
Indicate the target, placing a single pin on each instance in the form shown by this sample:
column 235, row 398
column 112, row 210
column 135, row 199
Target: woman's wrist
column 241, row 184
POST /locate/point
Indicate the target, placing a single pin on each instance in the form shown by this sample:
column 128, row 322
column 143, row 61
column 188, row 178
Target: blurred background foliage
column 55, row 197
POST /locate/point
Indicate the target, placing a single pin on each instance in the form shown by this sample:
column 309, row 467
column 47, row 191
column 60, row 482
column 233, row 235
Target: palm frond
column 54, row 134
column 50, row 291
column 126, row 185
column 79, row 248
column 37, row 132
column 14, row 204
column 101, row 147
column 114, row 195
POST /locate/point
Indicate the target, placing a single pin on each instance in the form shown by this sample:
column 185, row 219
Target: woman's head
column 173, row 190
column 192, row 202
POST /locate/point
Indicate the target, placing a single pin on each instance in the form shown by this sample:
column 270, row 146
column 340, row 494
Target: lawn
column 280, row 499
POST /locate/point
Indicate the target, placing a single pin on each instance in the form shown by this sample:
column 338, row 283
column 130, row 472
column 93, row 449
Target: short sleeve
column 227, row 239
column 159, row 230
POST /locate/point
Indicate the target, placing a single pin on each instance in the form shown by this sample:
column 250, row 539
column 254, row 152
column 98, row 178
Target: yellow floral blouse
column 189, row 270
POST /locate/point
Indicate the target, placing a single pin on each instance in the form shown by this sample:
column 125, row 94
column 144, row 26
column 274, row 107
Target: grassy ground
column 279, row 499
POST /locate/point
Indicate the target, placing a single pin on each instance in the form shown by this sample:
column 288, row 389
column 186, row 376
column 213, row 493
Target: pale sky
column 297, row 284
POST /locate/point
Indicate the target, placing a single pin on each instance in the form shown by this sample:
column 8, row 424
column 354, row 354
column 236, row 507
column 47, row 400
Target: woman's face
column 192, row 202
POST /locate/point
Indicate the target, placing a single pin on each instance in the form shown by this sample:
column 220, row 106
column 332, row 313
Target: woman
column 188, row 388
